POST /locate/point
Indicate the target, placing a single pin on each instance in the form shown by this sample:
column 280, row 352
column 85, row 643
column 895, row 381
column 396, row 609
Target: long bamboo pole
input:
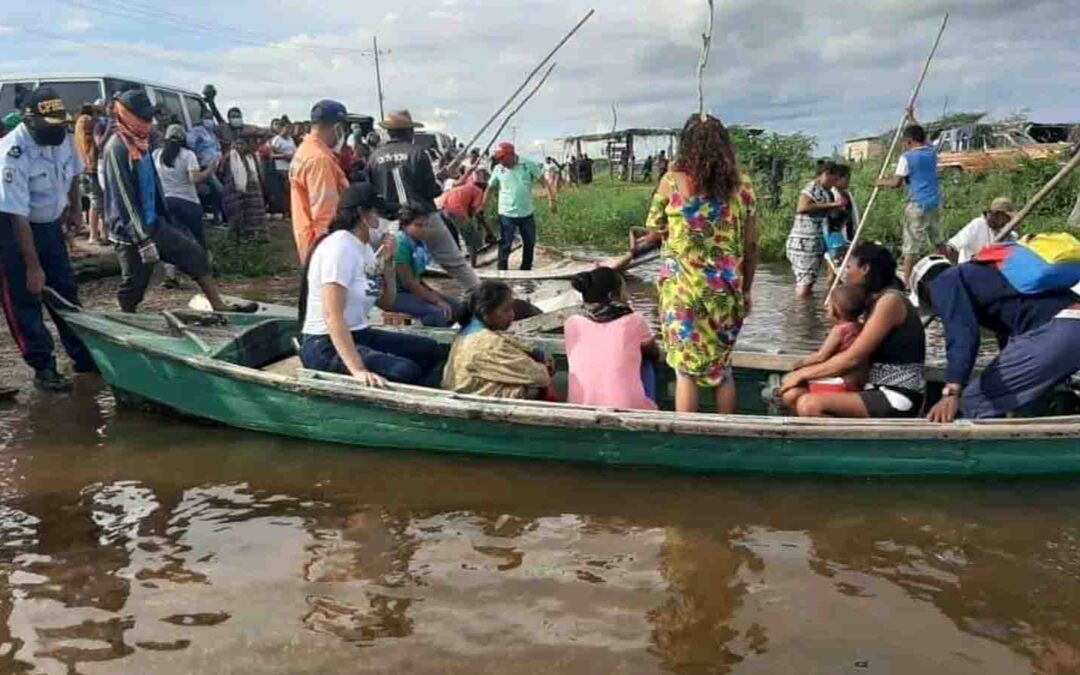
column 378, row 75
column 461, row 156
column 1023, row 213
column 888, row 157
column 520, row 105
column 706, row 43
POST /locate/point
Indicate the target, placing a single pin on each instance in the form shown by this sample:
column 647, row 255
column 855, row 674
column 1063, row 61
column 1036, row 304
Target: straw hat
column 1001, row 205
column 400, row 119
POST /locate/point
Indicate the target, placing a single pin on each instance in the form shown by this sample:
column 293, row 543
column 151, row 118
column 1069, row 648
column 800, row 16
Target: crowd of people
column 370, row 216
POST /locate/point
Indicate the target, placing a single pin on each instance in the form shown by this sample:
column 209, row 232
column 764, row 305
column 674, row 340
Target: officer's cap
column 44, row 104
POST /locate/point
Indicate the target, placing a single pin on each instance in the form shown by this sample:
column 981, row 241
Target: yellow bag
column 1055, row 248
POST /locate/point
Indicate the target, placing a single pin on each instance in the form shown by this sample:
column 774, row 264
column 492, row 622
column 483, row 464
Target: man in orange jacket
column 316, row 178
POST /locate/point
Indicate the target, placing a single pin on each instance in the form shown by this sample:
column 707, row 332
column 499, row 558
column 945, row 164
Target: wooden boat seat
column 288, row 366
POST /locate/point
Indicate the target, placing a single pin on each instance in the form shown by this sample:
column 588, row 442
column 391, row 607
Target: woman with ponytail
column 344, row 278
column 705, row 210
column 610, row 348
column 180, row 174
column 485, row 361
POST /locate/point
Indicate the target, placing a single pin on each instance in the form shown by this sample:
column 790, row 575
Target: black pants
column 23, row 310
column 175, row 246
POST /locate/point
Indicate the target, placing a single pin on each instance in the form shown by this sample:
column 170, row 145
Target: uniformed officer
column 38, row 194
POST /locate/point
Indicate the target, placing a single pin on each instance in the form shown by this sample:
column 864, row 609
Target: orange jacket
column 317, row 182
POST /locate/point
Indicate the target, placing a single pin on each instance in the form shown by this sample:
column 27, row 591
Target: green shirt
column 412, row 253
column 515, row 187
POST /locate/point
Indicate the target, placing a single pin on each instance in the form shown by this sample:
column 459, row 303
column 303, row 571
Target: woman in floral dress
column 705, row 209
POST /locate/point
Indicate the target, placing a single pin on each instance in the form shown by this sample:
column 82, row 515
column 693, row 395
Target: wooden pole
column 378, row 76
column 1023, row 213
column 888, row 158
column 457, row 160
column 520, row 105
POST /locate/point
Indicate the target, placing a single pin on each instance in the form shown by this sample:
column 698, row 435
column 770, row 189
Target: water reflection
column 140, row 543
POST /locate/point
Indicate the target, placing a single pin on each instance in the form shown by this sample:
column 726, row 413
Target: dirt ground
column 100, row 294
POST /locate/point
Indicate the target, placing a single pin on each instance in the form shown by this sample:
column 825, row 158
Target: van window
column 194, row 109
column 169, row 101
column 114, row 86
column 76, row 93
column 11, row 95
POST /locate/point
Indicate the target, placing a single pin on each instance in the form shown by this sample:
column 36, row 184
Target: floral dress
column 702, row 305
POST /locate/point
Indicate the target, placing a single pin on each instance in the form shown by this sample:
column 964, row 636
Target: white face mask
column 340, row 135
column 377, row 232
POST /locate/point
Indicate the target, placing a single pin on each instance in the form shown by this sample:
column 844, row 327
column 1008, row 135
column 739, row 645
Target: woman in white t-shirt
column 179, row 171
column 344, row 278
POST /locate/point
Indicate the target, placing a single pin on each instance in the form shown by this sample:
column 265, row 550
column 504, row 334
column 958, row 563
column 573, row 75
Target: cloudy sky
column 832, row 69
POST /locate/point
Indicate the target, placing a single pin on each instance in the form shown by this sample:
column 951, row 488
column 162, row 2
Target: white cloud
column 76, row 24
column 6, row 29
column 830, row 68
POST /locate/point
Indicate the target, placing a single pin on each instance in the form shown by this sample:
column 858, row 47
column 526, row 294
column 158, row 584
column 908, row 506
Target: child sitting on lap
column 846, row 307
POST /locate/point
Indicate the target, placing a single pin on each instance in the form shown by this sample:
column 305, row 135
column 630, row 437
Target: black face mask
column 49, row 135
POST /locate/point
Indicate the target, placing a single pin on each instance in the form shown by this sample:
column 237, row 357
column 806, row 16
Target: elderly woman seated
column 487, row 362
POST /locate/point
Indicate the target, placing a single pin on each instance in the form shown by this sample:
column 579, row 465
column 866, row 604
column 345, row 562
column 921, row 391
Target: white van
column 79, row 90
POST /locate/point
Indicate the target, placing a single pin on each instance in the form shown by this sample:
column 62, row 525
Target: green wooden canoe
column 240, row 371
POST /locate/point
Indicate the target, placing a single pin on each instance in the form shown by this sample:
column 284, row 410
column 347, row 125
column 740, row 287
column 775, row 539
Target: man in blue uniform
column 1039, row 335
column 38, row 194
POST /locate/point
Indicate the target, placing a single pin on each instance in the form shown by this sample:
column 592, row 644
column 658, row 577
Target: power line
column 195, row 27
column 183, row 63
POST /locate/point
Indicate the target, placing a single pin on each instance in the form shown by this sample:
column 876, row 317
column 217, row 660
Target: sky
column 830, row 69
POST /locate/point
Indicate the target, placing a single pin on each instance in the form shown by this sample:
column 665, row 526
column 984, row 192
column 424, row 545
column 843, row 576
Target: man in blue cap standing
column 38, row 194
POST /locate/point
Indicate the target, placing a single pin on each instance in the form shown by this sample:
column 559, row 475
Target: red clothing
column 346, row 159
column 849, row 331
column 464, row 201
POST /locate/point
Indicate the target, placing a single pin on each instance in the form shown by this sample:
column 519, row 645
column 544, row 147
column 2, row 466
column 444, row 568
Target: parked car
column 77, row 90
column 986, row 147
column 436, row 141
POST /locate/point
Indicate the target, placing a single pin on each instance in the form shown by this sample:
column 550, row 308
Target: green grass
column 598, row 216
column 251, row 260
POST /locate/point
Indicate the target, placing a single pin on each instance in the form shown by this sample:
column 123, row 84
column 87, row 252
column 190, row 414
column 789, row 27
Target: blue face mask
column 209, row 124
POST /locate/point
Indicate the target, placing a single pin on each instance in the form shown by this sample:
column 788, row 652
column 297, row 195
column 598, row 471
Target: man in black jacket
column 402, row 173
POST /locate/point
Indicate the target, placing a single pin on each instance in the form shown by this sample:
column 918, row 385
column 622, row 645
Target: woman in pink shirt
column 610, row 348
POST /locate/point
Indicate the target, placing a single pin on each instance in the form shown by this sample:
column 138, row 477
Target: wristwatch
column 950, row 391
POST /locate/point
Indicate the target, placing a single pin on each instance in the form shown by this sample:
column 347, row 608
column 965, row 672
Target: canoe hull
column 250, row 399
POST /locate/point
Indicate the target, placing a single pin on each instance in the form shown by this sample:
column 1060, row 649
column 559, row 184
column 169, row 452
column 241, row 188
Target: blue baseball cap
column 328, row 112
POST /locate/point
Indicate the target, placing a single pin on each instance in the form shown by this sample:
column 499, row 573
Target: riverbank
column 599, row 216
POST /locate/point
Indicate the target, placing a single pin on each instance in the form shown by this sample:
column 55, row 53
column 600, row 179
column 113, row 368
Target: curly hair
column 707, row 155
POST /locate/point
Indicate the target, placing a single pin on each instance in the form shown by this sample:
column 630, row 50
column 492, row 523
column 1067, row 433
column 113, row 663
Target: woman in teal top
column 415, row 297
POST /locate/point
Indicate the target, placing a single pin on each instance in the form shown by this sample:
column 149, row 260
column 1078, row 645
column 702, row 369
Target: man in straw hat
column 980, row 232
column 402, row 173
column 38, row 194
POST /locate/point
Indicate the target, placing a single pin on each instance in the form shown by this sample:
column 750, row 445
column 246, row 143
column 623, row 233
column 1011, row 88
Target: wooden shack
column 619, row 148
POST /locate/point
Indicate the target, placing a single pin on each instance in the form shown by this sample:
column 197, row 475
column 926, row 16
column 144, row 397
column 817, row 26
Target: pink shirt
column 605, row 362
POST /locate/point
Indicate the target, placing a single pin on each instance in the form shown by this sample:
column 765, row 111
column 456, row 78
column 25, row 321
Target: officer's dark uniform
column 34, row 183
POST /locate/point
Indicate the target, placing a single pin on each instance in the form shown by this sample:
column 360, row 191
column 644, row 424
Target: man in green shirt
column 513, row 178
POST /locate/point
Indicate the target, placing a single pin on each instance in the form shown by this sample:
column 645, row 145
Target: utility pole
column 378, row 76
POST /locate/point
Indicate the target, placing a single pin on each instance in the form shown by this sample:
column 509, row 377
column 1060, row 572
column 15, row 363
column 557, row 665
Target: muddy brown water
column 139, row 543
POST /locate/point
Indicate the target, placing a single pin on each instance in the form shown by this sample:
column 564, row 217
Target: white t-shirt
column 344, row 260
column 176, row 182
column 285, row 146
column 974, row 236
